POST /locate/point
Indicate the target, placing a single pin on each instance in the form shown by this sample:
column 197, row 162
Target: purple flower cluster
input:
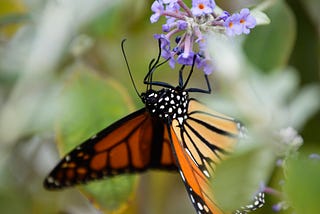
column 189, row 27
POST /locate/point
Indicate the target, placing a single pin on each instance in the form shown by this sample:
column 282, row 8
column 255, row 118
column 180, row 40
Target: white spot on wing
column 182, row 176
column 206, row 173
column 67, row 158
column 192, row 199
column 187, row 150
column 206, row 208
column 50, row 180
column 200, row 206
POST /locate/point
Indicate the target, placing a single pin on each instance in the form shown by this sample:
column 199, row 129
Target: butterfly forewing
column 127, row 146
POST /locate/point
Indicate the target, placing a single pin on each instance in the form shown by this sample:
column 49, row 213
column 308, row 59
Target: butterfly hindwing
column 196, row 183
column 207, row 136
column 200, row 142
column 135, row 143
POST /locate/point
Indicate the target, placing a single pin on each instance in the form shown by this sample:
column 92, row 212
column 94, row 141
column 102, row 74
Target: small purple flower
column 206, row 65
column 224, row 15
column 232, row 25
column 277, row 207
column 247, row 21
column 169, row 1
column 186, row 58
column 157, row 8
column 282, row 205
column 166, row 27
column 182, row 25
column 314, row 156
column 172, row 62
column 240, row 23
column 202, row 7
column 165, row 45
column 172, row 7
column 279, row 163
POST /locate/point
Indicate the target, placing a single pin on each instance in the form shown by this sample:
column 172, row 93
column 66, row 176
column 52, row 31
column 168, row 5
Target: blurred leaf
column 11, row 13
column 269, row 47
column 261, row 17
column 9, row 199
column 239, row 178
column 107, row 22
column 302, row 184
column 313, row 8
column 89, row 104
column 305, row 56
column 305, row 105
column 111, row 195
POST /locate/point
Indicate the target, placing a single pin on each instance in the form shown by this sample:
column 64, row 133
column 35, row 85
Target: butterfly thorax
column 167, row 104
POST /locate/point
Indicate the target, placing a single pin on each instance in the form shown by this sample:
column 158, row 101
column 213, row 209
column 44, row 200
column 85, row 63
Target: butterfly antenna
column 128, row 67
column 181, row 84
column 157, row 64
column 190, row 73
column 152, row 66
column 158, row 57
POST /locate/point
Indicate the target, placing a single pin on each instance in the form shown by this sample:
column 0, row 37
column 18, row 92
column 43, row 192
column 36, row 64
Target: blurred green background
column 63, row 78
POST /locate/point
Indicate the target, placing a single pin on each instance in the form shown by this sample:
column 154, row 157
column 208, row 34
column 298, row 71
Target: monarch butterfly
column 172, row 132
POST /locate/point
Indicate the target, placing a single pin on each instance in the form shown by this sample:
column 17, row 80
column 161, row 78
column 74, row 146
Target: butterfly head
column 167, row 103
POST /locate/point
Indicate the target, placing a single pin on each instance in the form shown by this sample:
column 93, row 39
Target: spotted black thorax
column 167, row 103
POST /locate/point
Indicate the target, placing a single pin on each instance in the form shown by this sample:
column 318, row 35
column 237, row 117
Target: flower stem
column 173, row 14
column 185, row 7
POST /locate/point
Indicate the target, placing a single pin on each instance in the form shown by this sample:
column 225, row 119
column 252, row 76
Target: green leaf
column 238, row 179
column 89, row 104
column 269, row 46
column 261, row 17
column 302, row 185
